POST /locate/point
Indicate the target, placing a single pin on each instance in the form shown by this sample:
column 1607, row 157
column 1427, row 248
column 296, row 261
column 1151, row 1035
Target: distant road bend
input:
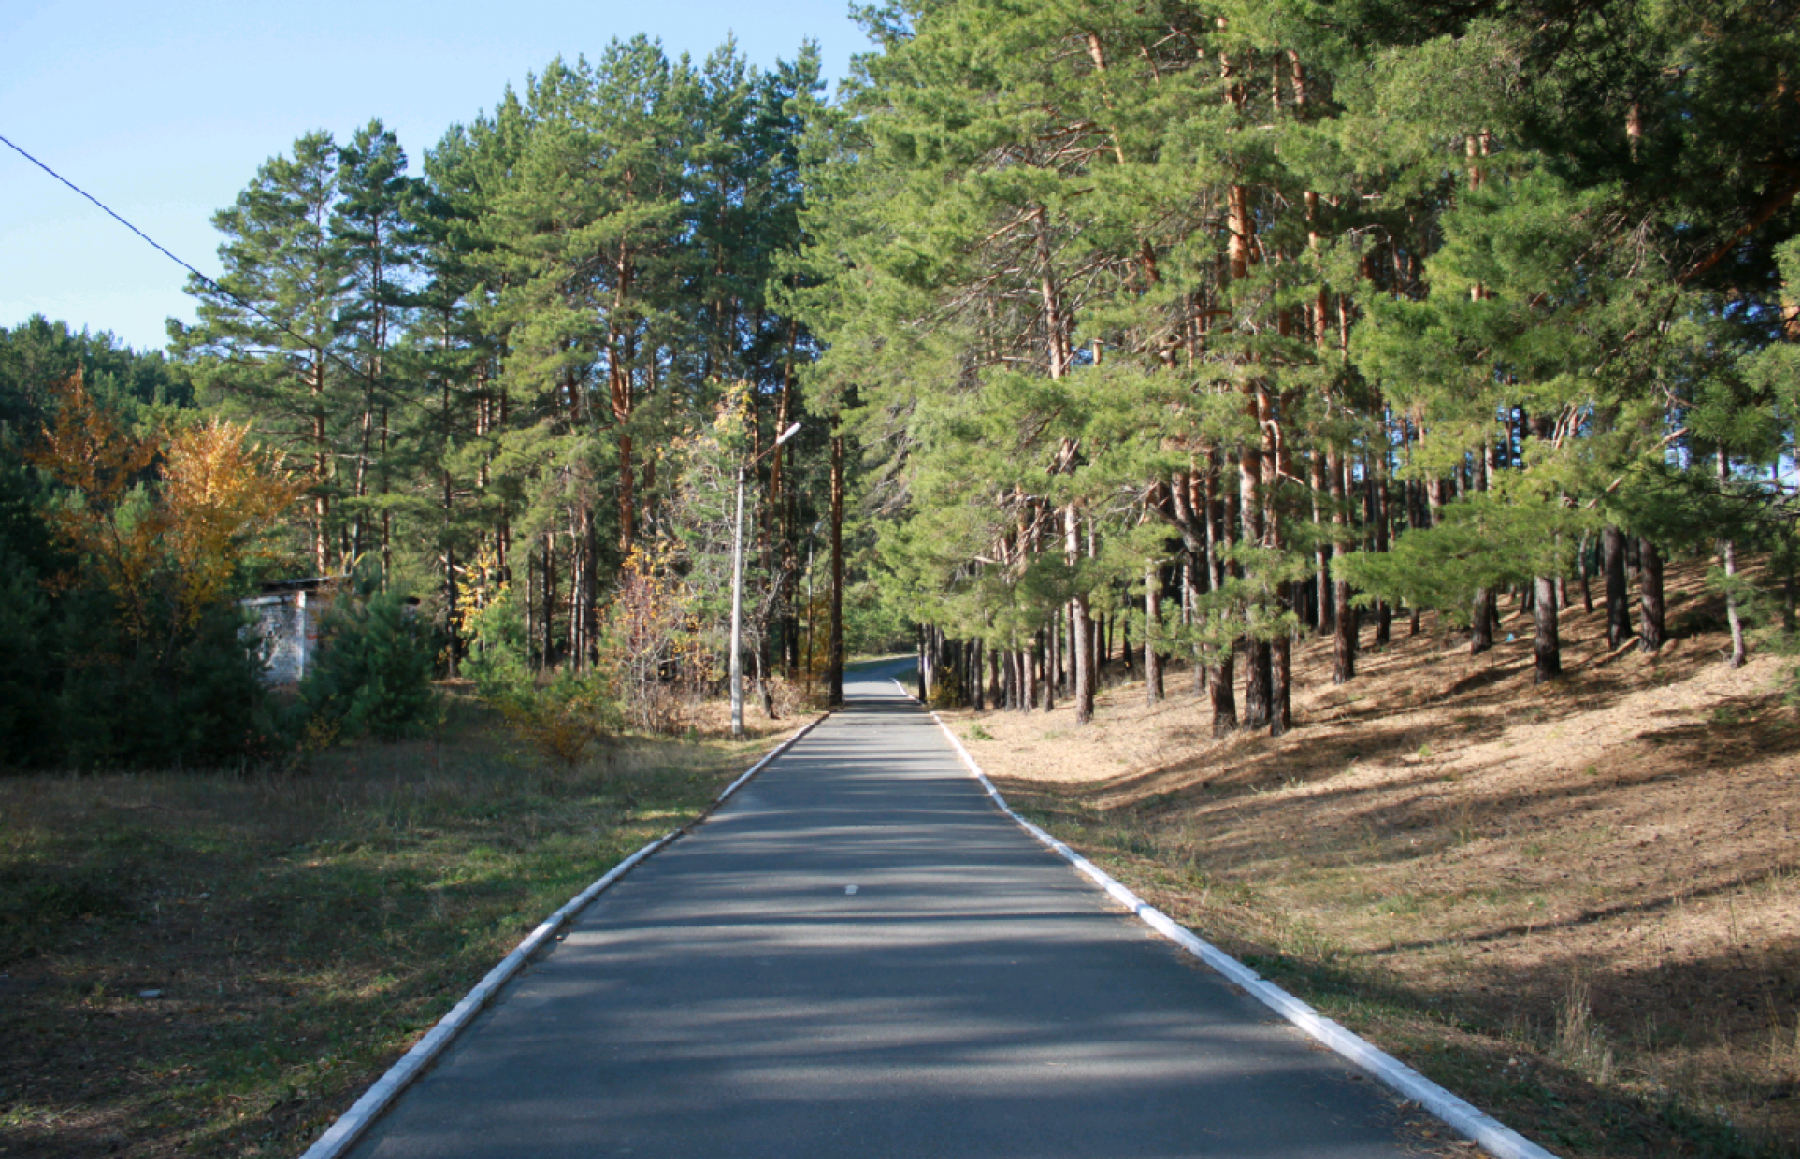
column 859, row 956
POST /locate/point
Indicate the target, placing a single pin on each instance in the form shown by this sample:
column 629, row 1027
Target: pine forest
column 1167, row 378
column 1171, row 331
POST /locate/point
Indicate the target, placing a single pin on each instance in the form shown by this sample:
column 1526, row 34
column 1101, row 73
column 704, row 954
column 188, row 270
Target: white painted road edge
column 1462, row 1117
column 352, row 1123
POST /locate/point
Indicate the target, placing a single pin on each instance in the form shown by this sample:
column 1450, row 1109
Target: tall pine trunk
column 1546, row 644
column 1343, row 616
column 1618, row 604
column 549, row 617
column 1650, row 598
column 1212, row 514
column 1153, row 669
column 1728, row 558
column 1222, row 671
column 1280, row 649
column 1081, row 627
column 1384, row 611
column 1081, row 643
column 835, row 653
column 1322, row 599
column 1739, row 649
column 1258, row 661
column 1481, row 622
column 1219, row 683
column 321, row 469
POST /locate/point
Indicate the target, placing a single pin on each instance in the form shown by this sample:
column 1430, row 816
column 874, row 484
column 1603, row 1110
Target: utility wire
column 279, row 325
column 134, row 229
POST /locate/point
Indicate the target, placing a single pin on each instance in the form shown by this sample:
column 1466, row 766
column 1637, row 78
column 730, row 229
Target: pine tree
column 270, row 342
column 373, row 223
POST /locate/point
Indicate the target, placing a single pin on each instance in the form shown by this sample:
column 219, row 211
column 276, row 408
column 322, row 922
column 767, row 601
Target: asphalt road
column 860, row 956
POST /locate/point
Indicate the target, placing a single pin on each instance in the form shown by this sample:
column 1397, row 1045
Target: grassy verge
column 1550, row 1069
column 1575, row 905
column 202, row 964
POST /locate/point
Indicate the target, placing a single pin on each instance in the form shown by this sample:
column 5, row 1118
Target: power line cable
column 134, row 229
column 104, row 208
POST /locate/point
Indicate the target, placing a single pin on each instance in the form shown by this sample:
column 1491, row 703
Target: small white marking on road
column 849, row 891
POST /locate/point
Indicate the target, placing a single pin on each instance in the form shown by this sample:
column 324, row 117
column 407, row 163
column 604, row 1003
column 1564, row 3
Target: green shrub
column 182, row 695
column 497, row 662
column 79, row 690
column 947, row 689
column 27, row 704
column 563, row 718
column 372, row 674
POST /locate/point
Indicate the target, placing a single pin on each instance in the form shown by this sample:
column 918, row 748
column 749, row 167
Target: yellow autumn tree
column 220, row 494
column 173, row 517
column 656, row 646
column 99, row 465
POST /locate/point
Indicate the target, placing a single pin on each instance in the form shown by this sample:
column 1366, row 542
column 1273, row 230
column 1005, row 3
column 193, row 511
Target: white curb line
column 350, row 1126
column 1466, row 1120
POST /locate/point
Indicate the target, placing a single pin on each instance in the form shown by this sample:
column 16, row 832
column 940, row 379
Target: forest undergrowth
column 208, row 964
column 1576, row 905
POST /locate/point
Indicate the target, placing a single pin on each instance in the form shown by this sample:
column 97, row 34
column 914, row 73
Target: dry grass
column 1577, row 905
column 200, row 964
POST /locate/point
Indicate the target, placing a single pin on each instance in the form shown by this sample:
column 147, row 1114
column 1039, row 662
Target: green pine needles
column 374, row 668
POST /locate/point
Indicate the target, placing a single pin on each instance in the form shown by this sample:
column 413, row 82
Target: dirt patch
column 1577, row 904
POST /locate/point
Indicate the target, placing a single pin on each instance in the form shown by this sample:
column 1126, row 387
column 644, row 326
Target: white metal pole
column 737, row 593
column 737, row 613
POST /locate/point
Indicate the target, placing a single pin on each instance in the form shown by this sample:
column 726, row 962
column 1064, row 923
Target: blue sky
column 164, row 112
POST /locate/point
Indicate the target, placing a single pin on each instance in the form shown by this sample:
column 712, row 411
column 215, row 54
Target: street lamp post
column 737, row 589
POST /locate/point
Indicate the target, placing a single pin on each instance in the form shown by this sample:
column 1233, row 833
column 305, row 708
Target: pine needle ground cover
column 1577, row 906
column 209, row 965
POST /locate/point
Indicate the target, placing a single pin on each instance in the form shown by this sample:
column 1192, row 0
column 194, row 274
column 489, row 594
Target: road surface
column 860, row 956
